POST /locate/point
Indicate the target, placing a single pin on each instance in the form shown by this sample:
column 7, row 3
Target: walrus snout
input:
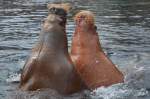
column 58, row 11
column 65, row 6
column 85, row 17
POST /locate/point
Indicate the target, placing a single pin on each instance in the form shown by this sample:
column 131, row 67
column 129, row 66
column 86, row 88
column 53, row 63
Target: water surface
column 123, row 27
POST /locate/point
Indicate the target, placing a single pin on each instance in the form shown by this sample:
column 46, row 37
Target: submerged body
column 49, row 65
column 94, row 67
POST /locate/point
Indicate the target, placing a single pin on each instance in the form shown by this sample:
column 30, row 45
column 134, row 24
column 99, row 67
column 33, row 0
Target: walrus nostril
column 58, row 11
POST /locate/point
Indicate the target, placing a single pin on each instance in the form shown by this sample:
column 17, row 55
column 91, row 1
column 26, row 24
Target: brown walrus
column 94, row 67
column 49, row 65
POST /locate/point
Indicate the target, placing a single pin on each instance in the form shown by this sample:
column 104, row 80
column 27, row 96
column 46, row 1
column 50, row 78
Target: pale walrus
column 49, row 65
column 94, row 67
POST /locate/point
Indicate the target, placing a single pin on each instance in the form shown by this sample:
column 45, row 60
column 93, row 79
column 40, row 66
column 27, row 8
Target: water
column 123, row 27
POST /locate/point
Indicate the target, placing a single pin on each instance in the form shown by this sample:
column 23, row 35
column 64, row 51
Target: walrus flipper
column 28, row 70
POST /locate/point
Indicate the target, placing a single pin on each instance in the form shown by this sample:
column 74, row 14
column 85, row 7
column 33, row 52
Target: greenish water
column 124, row 32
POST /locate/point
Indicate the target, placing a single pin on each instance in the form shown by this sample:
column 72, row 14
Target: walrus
column 49, row 65
column 94, row 67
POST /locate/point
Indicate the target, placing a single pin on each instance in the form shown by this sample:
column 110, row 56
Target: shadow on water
column 123, row 27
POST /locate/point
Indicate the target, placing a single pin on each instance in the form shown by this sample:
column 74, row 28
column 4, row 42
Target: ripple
column 123, row 28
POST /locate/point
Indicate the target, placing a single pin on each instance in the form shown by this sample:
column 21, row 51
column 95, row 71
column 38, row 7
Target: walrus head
column 85, row 19
column 57, row 15
column 65, row 6
column 59, row 9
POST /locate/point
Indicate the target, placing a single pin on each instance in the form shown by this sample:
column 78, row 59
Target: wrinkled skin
column 49, row 65
column 94, row 67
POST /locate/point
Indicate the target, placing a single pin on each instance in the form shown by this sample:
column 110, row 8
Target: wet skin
column 94, row 67
column 49, row 65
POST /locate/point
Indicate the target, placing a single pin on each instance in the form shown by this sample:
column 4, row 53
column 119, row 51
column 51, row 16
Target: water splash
column 45, row 94
column 118, row 91
column 14, row 78
column 138, row 76
column 134, row 86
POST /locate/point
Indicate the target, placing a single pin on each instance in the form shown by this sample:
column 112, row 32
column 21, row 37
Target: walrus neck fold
column 79, row 43
column 55, row 42
column 94, row 67
column 52, row 38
